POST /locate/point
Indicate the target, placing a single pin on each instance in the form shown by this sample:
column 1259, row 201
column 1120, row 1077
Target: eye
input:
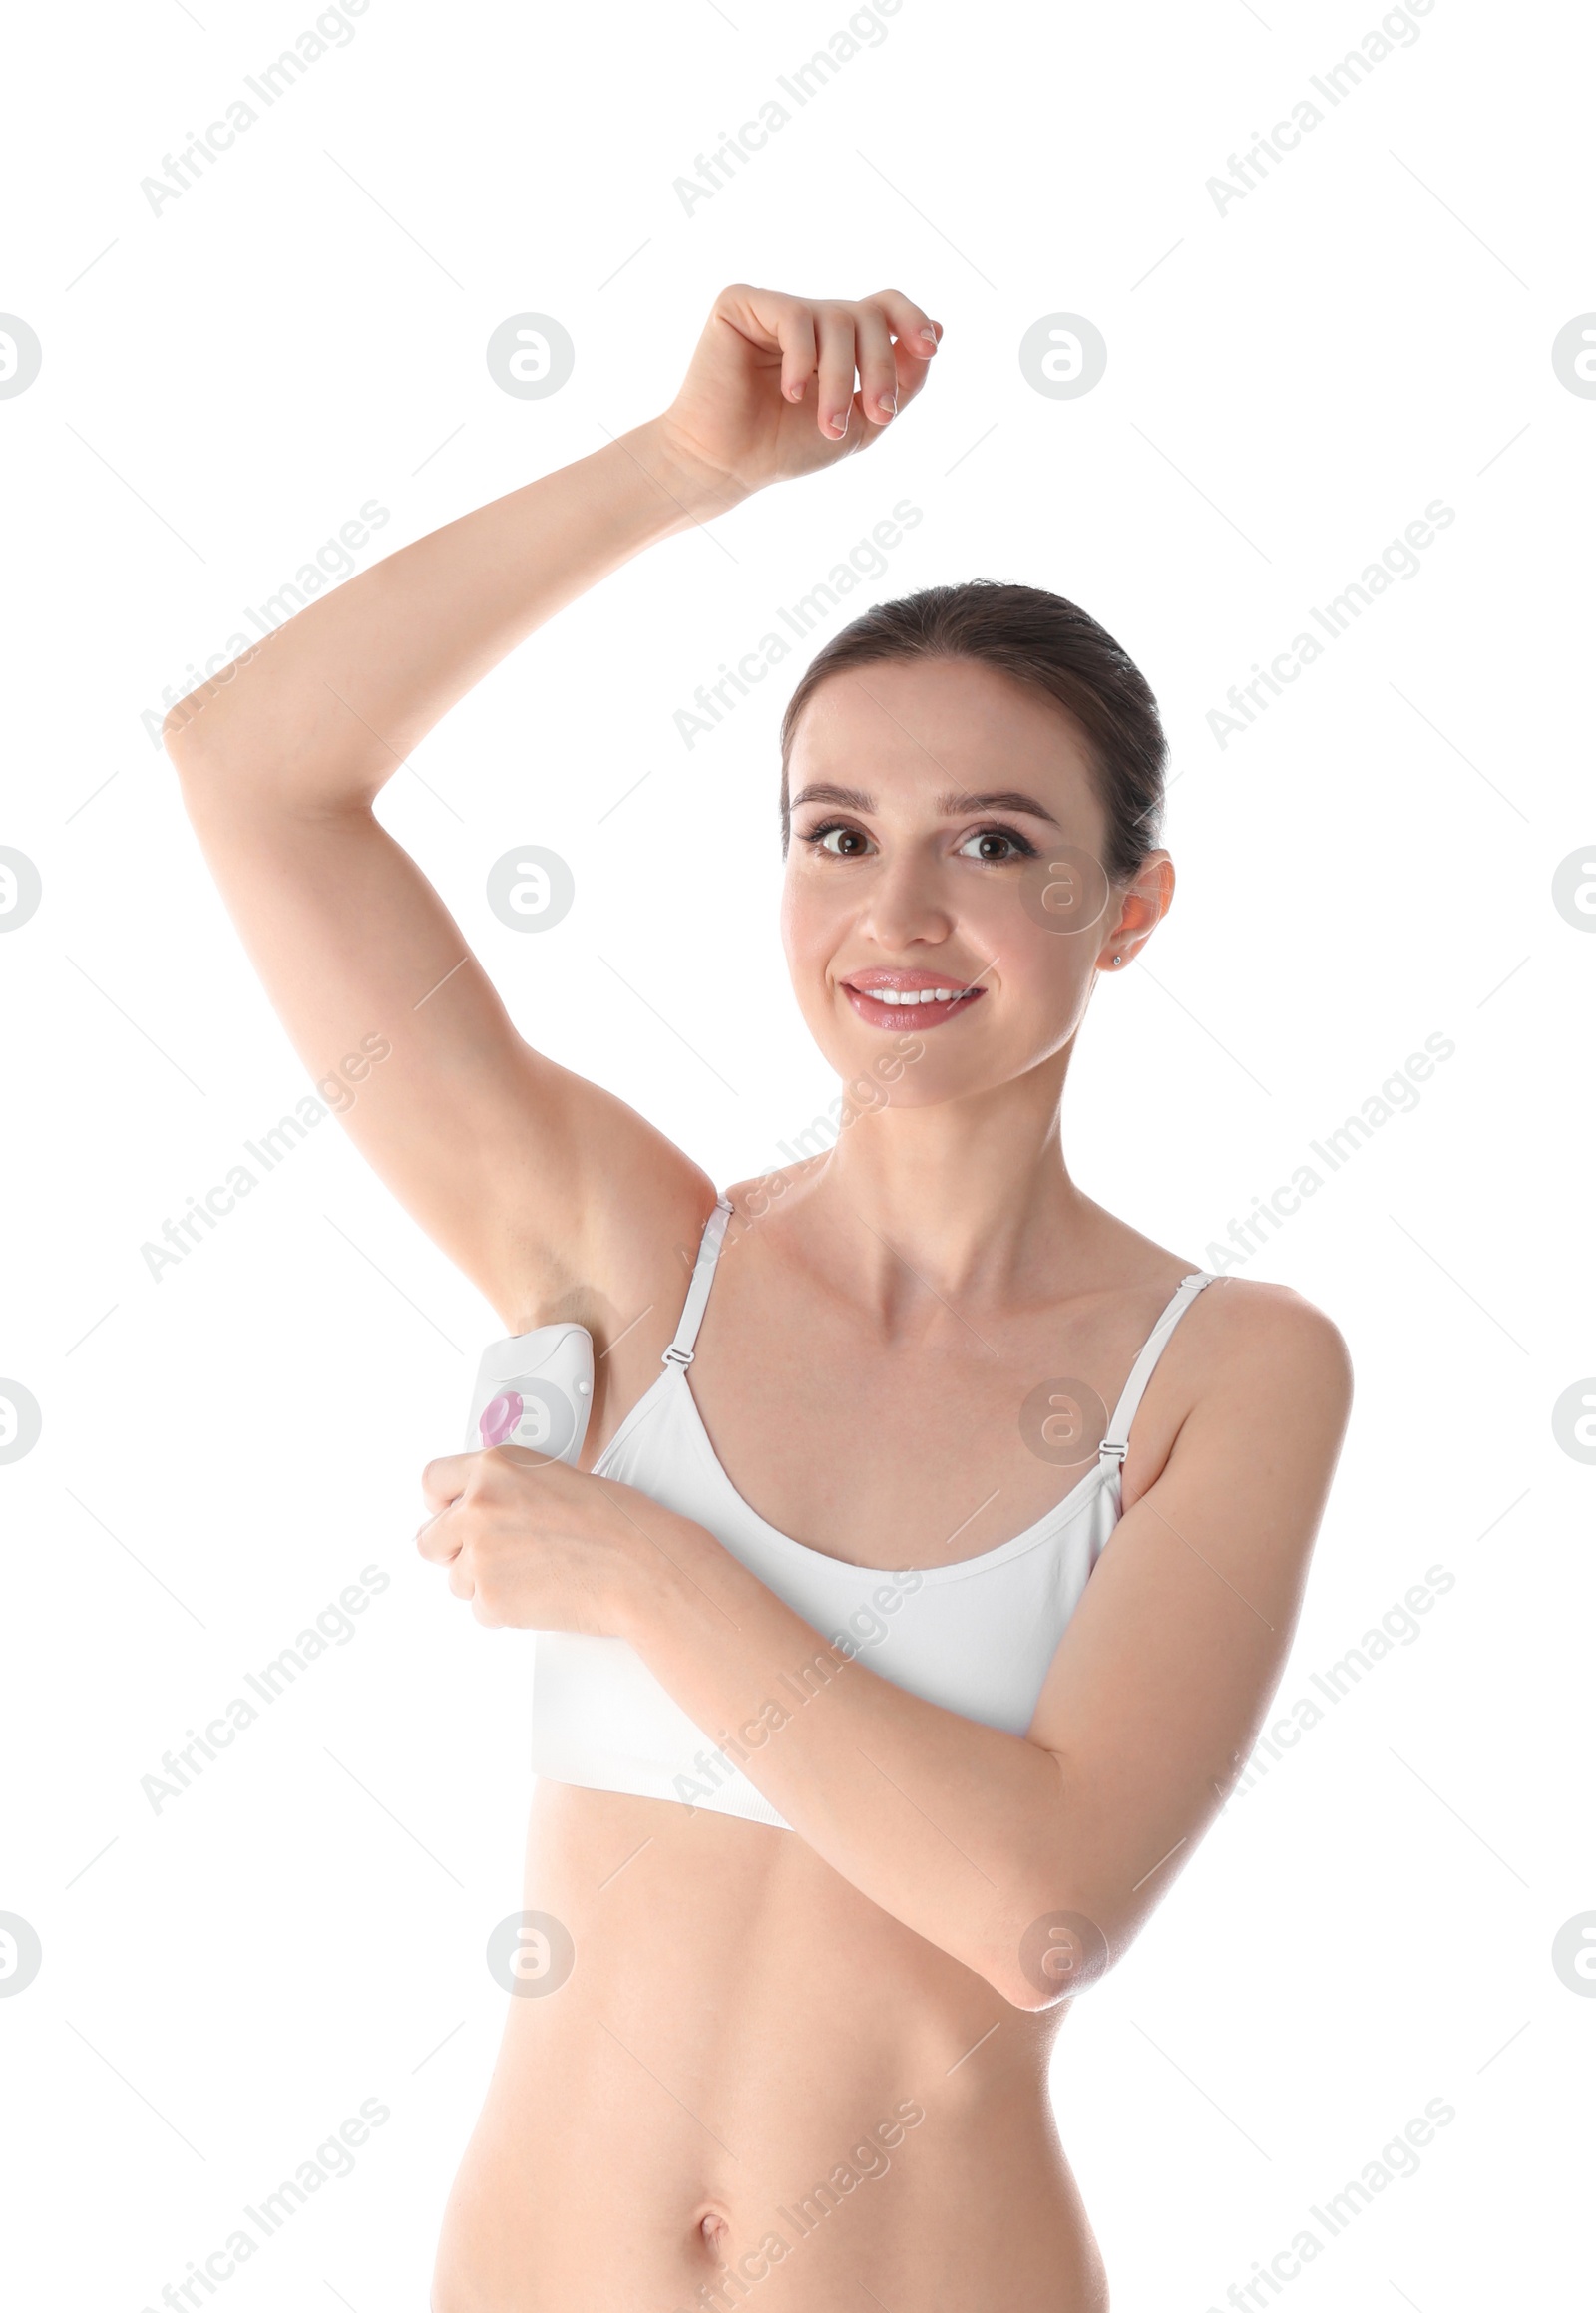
column 819, row 839
column 1013, row 846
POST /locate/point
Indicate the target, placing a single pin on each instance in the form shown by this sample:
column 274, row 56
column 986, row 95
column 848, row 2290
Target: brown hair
column 1036, row 638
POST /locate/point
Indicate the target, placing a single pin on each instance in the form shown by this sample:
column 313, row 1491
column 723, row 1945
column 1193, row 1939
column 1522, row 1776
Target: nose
column 907, row 904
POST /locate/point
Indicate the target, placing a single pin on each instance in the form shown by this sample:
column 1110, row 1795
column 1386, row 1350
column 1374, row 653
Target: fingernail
column 888, row 402
column 930, row 335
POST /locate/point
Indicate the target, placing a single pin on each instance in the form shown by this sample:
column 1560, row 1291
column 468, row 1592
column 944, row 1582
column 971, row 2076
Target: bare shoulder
column 1255, row 1311
column 1271, row 1357
column 1244, row 1334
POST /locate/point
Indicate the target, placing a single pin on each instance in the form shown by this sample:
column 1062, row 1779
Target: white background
column 1370, row 1926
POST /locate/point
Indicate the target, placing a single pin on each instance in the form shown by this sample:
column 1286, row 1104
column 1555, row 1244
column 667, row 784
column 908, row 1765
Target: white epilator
column 536, row 1390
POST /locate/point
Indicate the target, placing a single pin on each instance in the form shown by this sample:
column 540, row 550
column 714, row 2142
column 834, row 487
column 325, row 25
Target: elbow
column 183, row 734
column 194, row 732
column 180, row 753
column 1017, row 1990
column 1040, row 1962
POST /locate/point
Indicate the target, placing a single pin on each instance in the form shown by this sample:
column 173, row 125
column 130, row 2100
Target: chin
column 905, row 1071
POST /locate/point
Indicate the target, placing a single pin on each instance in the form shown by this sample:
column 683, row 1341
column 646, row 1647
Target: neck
column 970, row 1199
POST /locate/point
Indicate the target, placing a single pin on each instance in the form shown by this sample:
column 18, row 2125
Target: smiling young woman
column 884, row 1678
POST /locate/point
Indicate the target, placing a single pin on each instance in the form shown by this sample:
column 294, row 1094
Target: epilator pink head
column 500, row 1416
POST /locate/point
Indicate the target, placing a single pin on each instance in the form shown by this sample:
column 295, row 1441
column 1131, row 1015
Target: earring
column 1118, row 961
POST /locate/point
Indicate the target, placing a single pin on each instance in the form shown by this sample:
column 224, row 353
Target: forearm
column 325, row 710
column 956, row 1828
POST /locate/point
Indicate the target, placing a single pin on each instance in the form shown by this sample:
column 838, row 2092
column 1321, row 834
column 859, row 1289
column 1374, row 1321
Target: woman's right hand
column 770, row 394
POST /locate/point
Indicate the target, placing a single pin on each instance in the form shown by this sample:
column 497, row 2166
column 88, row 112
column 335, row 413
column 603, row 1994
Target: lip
column 869, row 1006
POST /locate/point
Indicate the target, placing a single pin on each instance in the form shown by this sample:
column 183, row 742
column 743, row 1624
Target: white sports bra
column 976, row 1636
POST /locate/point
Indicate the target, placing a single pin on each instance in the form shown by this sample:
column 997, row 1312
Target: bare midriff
column 754, row 2088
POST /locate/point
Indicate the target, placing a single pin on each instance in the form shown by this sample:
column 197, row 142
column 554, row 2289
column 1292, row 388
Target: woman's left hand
column 536, row 1545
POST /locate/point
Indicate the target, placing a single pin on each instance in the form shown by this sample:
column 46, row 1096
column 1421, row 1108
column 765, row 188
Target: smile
column 884, row 1002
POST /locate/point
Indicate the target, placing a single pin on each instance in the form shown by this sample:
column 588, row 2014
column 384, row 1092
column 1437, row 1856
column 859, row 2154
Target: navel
column 714, row 2230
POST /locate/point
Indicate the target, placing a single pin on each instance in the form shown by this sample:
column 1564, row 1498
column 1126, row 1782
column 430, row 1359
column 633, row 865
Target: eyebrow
column 957, row 800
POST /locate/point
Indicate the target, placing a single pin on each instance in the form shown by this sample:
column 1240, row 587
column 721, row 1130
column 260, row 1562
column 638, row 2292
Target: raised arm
column 535, row 1181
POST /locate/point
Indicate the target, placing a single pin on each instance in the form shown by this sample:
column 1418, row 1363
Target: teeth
column 921, row 996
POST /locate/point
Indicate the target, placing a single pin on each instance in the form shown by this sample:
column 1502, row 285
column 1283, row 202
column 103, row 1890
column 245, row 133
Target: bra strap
column 680, row 1352
column 1116, row 1445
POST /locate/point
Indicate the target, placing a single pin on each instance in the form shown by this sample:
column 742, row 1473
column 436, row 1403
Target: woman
column 842, row 1797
